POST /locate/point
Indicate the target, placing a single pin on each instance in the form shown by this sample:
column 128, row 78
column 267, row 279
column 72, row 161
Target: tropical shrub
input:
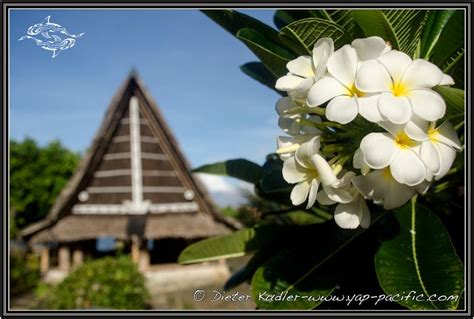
column 24, row 271
column 106, row 283
column 368, row 178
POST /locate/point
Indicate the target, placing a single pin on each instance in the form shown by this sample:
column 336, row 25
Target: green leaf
column 288, row 274
column 450, row 42
column 237, row 244
column 238, row 168
column 272, row 185
column 260, row 73
column 435, row 23
column 284, row 17
column 303, row 217
column 402, row 28
column 245, row 273
column 307, row 269
column 273, row 56
column 232, row 21
column 301, row 35
column 454, row 99
column 344, row 19
column 421, row 257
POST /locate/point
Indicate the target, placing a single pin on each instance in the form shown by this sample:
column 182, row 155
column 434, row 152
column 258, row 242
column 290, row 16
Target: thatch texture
column 62, row 224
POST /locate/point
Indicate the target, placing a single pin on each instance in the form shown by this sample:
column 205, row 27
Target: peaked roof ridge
column 130, row 87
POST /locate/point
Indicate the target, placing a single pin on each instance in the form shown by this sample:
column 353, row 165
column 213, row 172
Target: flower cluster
column 401, row 155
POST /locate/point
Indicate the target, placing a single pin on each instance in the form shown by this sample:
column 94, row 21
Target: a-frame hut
column 133, row 185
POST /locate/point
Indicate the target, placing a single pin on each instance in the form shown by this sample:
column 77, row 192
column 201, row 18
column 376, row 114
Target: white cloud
column 225, row 191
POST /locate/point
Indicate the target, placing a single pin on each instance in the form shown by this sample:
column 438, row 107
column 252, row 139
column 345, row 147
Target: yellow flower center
column 403, row 141
column 433, row 133
column 386, row 173
column 399, row 89
column 353, row 91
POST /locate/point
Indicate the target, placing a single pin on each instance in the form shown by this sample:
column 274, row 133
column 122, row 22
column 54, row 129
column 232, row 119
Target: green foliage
column 106, row 283
column 299, row 251
column 420, row 257
column 454, row 99
column 273, row 56
column 260, row 73
column 239, row 168
column 435, row 23
column 237, row 244
column 24, row 271
column 37, row 175
column 303, row 34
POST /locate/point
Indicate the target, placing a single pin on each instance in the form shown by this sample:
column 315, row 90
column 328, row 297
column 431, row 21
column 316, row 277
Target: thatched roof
column 111, row 151
column 187, row 225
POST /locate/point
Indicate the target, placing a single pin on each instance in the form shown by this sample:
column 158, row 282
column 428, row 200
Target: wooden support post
column 77, row 257
column 144, row 263
column 64, row 258
column 44, row 260
column 135, row 249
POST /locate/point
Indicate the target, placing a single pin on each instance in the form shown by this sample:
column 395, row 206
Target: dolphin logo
column 53, row 41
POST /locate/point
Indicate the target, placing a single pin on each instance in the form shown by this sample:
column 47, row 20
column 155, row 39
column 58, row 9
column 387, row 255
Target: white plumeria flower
column 308, row 169
column 397, row 151
column 380, row 186
column 348, row 214
column 438, row 145
column 354, row 214
column 305, row 70
column 370, row 48
column 288, row 145
column 294, row 118
column 404, row 86
column 338, row 87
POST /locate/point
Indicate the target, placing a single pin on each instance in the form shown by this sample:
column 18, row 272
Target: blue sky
column 189, row 64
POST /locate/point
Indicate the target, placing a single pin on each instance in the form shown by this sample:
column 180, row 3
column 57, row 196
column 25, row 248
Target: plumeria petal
column 422, row 74
column 416, row 128
column 342, row 65
column 446, row 134
column 395, row 109
column 396, row 195
column 372, row 77
column 324, row 90
column 407, row 168
column 446, row 80
column 372, row 185
column 392, row 128
column 325, row 172
column 370, row 48
column 430, row 156
column 300, row 193
column 363, row 212
column 301, row 66
column 301, row 91
column 313, row 192
column 368, row 108
column 378, row 149
column 427, row 104
column 323, row 198
column 306, row 151
column 323, row 49
column 359, row 163
column 284, row 104
column 342, row 109
column 447, row 157
column 396, row 63
column 338, row 194
column 422, row 187
column 288, row 82
column 349, row 215
column 292, row 172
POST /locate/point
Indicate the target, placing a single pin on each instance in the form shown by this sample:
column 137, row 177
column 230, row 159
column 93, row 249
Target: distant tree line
column 37, row 175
